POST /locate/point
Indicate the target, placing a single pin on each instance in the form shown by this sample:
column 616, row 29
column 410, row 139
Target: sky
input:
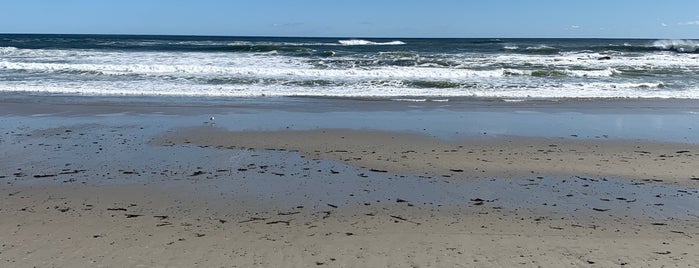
column 358, row 18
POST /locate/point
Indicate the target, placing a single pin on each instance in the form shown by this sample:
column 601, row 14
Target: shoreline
column 641, row 119
column 167, row 104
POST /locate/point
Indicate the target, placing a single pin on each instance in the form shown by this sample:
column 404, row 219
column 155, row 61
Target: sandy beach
column 347, row 184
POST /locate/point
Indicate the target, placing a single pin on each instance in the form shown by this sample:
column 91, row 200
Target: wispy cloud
column 696, row 22
column 575, row 26
column 663, row 24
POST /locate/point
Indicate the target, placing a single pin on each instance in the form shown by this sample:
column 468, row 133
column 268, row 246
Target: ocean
column 401, row 69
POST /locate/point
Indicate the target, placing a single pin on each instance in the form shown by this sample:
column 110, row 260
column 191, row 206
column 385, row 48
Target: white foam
column 482, row 75
column 577, row 60
column 562, row 61
column 493, row 90
column 540, row 47
column 290, row 71
column 360, row 42
column 593, row 73
column 7, row 50
column 678, row 45
column 430, row 64
column 511, row 47
column 410, row 100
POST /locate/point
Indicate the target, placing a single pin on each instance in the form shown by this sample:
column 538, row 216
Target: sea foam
column 426, row 69
column 7, row 50
column 360, row 42
column 592, row 90
column 677, row 45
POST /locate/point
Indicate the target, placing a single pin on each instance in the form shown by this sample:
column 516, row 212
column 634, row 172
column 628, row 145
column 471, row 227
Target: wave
column 594, row 73
column 534, row 73
column 562, row 73
column 434, row 84
column 249, row 70
column 7, row 50
column 409, row 100
column 533, row 50
column 626, row 48
column 394, row 91
column 683, row 46
column 680, row 46
column 401, row 54
column 360, row 42
column 419, row 100
column 426, row 73
column 542, row 50
column 244, row 48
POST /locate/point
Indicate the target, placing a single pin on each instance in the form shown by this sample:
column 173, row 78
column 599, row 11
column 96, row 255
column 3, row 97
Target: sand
column 159, row 230
column 116, row 188
column 508, row 157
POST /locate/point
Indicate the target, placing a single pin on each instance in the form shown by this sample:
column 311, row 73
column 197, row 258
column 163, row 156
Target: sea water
column 394, row 68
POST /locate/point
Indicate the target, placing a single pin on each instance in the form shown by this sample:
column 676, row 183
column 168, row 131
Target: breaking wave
column 680, row 46
column 684, row 46
column 533, row 50
column 232, row 66
column 360, row 42
column 7, row 50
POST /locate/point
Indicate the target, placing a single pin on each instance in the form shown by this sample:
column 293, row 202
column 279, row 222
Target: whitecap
column 501, row 91
column 593, row 73
column 360, row 42
column 7, row 50
column 410, row 100
column 677, row 45
column 540, row 47
column 430, row 64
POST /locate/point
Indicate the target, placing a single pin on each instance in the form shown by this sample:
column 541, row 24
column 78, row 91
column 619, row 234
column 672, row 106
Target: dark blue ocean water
column 396, row 68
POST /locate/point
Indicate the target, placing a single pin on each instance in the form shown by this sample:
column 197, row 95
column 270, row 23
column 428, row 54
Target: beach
column 315, row 182
column 225, row 151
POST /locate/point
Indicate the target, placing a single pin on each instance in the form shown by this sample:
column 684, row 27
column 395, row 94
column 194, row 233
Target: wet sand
column 503, row 157
column 117, row 188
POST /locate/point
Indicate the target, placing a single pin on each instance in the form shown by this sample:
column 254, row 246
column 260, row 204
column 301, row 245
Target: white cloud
column 574, row 26
column 663, row 24
column 696, row 22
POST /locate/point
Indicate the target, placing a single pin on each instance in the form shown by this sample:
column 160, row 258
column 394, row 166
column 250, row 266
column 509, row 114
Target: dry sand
column 122, row 191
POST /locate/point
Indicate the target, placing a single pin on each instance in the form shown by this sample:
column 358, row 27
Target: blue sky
column 358, row 18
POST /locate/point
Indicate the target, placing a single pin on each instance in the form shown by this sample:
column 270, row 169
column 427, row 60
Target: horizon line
column 348, row 37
